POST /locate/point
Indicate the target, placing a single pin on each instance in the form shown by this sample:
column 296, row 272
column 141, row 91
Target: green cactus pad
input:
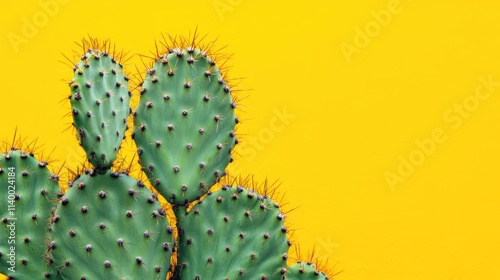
column 304, row 271
column 29, row 194
column 100, row 103
column 184, row 125
column 233, row 233
column 110, row 226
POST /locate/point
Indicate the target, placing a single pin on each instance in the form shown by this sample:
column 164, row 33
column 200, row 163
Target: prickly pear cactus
column 100, row 104
column 305, row 271
column 30, row 196
column 184, row 125
column 107, row 224
column 233, row 233
column 110, row 226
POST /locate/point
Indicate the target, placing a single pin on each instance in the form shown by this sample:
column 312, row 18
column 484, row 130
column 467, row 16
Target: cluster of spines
column 305, row 271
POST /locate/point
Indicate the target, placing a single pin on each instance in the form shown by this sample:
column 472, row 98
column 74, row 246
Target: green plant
column 100, row 103
column 26, row 214
column 111, row 225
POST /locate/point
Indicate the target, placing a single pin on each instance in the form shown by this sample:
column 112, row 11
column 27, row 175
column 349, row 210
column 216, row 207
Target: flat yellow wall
column 379, row 118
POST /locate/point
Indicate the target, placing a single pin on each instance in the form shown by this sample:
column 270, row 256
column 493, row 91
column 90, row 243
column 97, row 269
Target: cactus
column 109, row 224
column 305, row 271
column 234, row 232
column 100, row 104
column 184, row 125
column 32, row 194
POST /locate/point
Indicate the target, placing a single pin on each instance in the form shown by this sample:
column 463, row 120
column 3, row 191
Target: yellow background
column 349, row 118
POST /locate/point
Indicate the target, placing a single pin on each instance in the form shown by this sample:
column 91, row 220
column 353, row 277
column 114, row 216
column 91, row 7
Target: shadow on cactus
column 110, row 225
